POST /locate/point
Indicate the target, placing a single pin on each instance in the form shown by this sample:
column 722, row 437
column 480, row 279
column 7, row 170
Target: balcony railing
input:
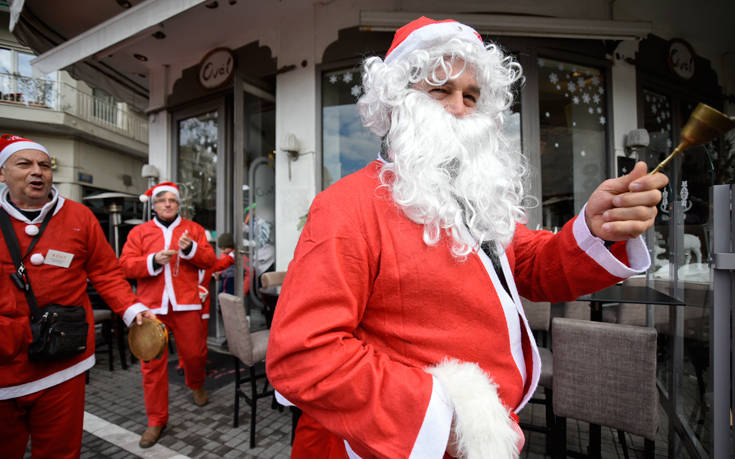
column 61, row 97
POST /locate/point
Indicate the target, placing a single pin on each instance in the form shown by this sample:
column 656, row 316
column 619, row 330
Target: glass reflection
column 197, row 168
column 573, row 122
column 347, row 145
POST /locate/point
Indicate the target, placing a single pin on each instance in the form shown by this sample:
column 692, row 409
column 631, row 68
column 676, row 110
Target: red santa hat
column 423, row 33
column 9, row 144
column 161, row 187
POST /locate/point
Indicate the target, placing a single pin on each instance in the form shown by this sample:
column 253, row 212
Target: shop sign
column 216, row 68
column 680, row 58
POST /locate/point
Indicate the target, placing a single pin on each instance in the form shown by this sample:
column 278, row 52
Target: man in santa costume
column 45, row 399
column 399, row 331
column 165, row 255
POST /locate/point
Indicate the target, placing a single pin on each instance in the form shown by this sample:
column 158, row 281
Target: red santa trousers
column 186, row 327
column 52, row 417
column 312, row 440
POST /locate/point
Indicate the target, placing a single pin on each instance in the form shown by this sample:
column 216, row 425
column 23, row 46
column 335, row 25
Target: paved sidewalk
column 197, row 432
column 115, row 418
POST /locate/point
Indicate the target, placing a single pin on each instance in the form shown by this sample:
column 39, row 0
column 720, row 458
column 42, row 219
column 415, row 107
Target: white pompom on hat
column 423, row 33
column 155, row 189
column 9, row 144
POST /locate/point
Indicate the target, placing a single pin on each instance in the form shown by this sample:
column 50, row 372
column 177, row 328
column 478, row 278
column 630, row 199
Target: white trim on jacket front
column 51, row 380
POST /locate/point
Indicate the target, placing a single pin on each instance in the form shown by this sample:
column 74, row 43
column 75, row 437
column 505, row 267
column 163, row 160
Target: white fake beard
column 448, row 172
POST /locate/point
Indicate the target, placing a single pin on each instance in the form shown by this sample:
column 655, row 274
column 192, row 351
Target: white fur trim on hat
column 430, row 35
column 162, row 188
column 482, row 423
column 20, row 145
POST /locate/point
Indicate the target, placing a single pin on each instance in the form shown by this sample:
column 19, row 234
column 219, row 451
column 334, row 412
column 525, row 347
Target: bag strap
column 20, row 276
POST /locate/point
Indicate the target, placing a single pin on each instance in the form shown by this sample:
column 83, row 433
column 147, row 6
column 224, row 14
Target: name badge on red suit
column 58, row 258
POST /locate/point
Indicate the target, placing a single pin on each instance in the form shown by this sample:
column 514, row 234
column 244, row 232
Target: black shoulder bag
column 58, row 331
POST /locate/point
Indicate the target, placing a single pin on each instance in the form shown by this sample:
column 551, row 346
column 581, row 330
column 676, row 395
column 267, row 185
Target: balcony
column 37, row 93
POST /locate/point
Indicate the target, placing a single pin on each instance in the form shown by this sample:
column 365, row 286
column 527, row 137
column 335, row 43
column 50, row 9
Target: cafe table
column 631, row 294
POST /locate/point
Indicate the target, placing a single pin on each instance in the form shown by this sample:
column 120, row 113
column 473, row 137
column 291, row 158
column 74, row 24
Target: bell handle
column 681, row 147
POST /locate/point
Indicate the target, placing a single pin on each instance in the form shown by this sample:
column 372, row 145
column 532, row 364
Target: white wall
column 624, row 107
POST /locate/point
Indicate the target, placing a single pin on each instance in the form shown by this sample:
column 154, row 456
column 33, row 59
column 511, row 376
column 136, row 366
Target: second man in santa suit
column 165, row 255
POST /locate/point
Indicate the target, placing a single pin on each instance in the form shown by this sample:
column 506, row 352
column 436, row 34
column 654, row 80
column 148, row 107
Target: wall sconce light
column 292, row 147
column 635, row 140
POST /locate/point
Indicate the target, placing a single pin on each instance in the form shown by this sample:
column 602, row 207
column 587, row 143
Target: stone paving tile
column 207, row 432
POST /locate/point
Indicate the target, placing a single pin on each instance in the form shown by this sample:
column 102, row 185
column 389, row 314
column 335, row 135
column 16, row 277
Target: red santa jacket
column 367, row 308
column 71, row 250
column 163, row 287
column 205, row 277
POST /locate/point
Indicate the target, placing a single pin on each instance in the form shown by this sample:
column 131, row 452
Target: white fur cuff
column 482, row 423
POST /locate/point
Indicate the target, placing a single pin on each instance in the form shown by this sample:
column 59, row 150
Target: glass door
column 199, row 139
column 682, row 257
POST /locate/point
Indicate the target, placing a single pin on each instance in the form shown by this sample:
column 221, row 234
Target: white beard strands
column 448, row 172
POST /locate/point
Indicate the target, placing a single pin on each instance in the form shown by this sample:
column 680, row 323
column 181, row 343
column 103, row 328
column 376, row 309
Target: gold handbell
column 704, row 124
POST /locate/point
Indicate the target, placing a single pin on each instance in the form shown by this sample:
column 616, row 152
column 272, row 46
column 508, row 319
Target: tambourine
column 149, row 340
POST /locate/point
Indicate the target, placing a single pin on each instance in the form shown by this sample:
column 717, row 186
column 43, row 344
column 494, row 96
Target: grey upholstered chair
column 248, row 348
column 538, row 315
column 269, row 300
column 605, row 374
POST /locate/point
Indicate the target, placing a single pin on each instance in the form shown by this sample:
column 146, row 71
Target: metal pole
column 252, row 199
column 239, row 161
column 721, row 322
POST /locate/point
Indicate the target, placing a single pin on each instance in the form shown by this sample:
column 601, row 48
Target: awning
column 518, row 25
column 78, row 55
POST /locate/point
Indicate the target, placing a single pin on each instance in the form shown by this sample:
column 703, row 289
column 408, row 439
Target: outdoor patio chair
column 112, row 333
column 111, row 327
column 248, row 348
column 268, row 281
column 538, row 315
column 605, row 374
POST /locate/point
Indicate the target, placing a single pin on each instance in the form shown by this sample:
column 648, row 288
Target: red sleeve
column 552, row 267
column 316, row 358
column 203, row 256
column 134, row 257
column 224, row 262
column 103, row 270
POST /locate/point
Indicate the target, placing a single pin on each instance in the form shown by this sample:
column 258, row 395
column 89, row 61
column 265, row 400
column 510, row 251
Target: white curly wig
column 445, row 172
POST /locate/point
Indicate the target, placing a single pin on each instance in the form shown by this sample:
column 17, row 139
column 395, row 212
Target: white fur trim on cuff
column 595, row 247
column 483, row 425
column 191, row 252
column 149, row 265
column 132, row 311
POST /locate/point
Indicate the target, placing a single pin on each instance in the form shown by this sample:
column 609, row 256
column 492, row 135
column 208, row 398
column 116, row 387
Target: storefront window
column 347, row 145
column 197, row 168
column 573, row 134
